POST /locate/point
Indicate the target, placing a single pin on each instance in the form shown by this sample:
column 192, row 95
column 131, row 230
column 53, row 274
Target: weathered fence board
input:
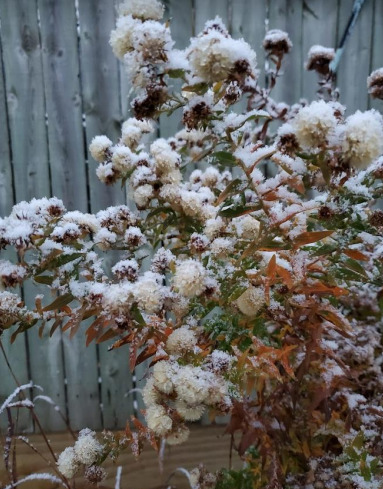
column 60, row 85
column 354, row 66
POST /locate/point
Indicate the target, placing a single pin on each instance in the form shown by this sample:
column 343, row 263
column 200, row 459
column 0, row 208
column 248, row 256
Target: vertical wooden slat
column 100, row 90
column 208, row 10
column 377, row 52
column 355, row 63
column 319, row 27
column 26, row 112
column 287, row 16
column 67, row 148
column 25, row 98
column 181, row 26
column 6, row 183
column 248, row 21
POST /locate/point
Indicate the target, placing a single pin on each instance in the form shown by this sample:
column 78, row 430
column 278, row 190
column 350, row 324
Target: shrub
column 252, row 295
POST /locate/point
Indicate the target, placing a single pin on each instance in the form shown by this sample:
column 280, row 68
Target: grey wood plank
column 102, row 108
column 26, row 116
column 208, row 10
column 320, row 21
column 355, row 63
column 100, row 90
column 182, row 29
column 25, row 98
column 248, row 21
column 6, row 176
column 69, row 180
column 287, row 16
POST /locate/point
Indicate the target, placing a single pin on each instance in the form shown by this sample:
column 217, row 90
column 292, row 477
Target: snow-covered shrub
column 263, row 296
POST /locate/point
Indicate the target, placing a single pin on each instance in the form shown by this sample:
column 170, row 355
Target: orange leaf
column 285, row 274
column 272, row 267
column 311, row 237
column 356, row 255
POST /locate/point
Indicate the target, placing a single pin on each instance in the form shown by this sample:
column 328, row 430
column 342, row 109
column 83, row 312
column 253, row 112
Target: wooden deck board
column 206, row 444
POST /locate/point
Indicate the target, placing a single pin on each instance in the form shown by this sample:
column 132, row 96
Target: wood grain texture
column 287, row 16
column 26, row 109
column 354, row 66
column 205, row 444
column 319, row 26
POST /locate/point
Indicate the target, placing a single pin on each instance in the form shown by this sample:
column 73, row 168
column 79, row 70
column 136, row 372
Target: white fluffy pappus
column 251, row 301
column 181, row 340
column 213, row 55
column 68, row 463
column 99, row 147
column 363, row 138
column 158, row 420
column 189, row 278
column 87, row 448
column 314, row 124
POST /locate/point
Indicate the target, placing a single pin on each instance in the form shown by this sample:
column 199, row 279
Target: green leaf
column 356, row 267
column 44, row 279
column 61, row 301
column 224, row 158
column 179, row 73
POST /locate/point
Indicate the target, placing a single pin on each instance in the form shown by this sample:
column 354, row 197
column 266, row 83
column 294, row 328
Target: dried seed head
column 319, row 59
column 146, row 107
column 325, row 213
column 277, row 42
column 376, row 218
column 196, row 115
column 95, row 474
column 375, row 84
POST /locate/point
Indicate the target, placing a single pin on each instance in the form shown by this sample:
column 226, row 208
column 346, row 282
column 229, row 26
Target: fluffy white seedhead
column 87, row 448
column 163, row 376
column 189, row 278
column 148, row 293
column 213, row 55
column 158, row 420
column 181, row 341
column 180, row 435
column 99, row 147
column 150, row 394
column 68, row 463
column 188, row 412
column 121, row 38
column 314, row 124
column 251, row 301
column 142, row 9
column 363, row 138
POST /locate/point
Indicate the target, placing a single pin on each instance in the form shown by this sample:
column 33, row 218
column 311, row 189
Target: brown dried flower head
column 375, row 84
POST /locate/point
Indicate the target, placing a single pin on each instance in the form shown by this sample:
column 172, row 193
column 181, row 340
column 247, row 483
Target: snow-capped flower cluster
column 363, row 138
column 214, row 55
column 189, row 278
column 315, row 124
column 86, row 451
column 191, row 388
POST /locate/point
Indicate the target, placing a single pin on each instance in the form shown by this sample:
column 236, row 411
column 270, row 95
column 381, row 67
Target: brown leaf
column 311, row 237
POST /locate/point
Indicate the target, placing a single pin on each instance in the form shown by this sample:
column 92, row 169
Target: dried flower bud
column 196, row 115
column 277, row 42
column 375, row 84
column 319, row 59
column 376, row 218
column 95, row 474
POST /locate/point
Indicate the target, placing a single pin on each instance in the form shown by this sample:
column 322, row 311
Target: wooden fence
column 60, row 85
